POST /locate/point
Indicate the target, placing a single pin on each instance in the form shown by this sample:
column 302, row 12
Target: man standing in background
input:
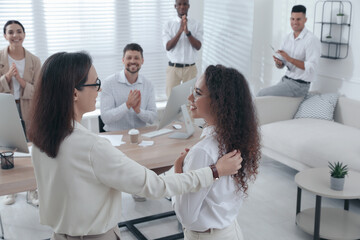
column 300, row 53
column 182, row 39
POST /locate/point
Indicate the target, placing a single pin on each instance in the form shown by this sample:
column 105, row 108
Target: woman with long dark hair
column 19, row 72
column 223, row 99
column 80, row 176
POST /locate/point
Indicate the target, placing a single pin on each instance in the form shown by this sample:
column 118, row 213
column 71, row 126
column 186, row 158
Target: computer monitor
column 12, row 135
column 177, row 104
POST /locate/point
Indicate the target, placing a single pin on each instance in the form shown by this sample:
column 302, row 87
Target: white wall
column 270, row 26
column 196, row 11
column 343, row 75
column 261, row 60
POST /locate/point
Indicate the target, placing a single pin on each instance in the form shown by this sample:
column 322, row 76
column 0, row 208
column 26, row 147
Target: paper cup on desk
column 134, row 135
column 7, row 160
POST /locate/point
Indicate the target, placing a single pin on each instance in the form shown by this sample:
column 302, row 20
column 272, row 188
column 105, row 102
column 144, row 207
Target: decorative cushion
column 318, row 106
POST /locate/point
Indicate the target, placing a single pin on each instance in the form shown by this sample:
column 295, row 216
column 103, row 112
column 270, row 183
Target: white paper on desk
column 116, row 140
column 146, row 143
column 20, row 154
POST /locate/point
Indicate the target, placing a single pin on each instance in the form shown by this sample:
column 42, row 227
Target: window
column 101, row 28
column 23, row 12
column 228, row 31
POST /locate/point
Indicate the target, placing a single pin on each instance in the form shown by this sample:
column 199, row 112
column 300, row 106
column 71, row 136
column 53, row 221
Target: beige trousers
column 174, row 76
column 112, row 234
column 232, row 232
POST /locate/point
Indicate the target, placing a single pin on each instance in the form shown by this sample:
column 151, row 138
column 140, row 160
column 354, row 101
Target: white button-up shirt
column 114, row 112
column 216, row 206
column 306, row 47
column 183, row 52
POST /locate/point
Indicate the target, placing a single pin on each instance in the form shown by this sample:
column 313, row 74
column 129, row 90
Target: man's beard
column 137, row 69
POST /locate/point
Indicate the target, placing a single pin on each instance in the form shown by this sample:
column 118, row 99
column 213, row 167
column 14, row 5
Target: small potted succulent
column 339, row 18
column 338, row 172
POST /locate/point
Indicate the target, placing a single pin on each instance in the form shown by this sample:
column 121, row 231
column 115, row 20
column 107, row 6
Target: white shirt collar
column 124, row 80
column 208, row 131
column 177, row 19
column 78, row 125
column 302, row 34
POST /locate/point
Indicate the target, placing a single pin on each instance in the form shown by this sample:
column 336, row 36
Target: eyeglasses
column 195, row 93
column 97, row 84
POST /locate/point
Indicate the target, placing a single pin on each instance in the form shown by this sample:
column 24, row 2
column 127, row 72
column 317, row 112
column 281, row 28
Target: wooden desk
column 159, row 157
column 21, row 178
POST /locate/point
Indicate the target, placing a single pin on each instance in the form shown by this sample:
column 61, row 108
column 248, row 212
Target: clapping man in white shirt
column 182, row 37
column 127, row 97
column 300, row 53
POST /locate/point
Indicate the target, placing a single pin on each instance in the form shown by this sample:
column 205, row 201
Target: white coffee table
column 328, row 223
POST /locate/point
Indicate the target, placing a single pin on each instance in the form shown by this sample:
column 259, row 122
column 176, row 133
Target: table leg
column 317, row 218
column 130, row 225
column 298, row 201
column 346, row 205
column 2, row 229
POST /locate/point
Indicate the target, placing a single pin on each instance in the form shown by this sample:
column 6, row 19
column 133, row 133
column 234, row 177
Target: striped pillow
column 319, row 106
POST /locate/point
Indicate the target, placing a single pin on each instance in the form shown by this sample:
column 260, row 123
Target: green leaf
column 338, row 169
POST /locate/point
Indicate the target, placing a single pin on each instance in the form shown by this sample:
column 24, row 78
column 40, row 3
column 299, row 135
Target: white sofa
column 303, row 143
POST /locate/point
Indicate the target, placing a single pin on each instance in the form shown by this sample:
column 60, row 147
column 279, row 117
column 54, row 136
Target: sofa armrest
column 347, row 112
column 272, row 109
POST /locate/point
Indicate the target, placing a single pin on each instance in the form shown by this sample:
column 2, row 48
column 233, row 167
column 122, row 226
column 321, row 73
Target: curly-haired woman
column 223, row 99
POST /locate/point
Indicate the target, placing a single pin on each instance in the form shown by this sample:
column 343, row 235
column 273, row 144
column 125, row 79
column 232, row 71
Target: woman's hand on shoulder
column 178, row 165
column 229, row 164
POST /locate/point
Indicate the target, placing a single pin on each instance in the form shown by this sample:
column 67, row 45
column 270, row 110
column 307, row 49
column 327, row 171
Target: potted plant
column 338, row 172
column 339, row 18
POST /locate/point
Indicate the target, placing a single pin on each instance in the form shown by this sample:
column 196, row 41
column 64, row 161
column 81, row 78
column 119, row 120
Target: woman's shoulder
column 3, row 54
column 208, row 140
column 31, row 56
column 82, row 131
column 84, row 137
column 205, row 152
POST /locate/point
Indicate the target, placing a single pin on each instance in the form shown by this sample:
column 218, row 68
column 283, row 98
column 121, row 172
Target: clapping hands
column 134, row 100
column 12, row 72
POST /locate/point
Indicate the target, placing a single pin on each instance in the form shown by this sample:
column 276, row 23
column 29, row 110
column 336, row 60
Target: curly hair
column 235, row 120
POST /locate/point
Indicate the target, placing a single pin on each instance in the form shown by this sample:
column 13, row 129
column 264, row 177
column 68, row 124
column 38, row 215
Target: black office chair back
column 101, row 125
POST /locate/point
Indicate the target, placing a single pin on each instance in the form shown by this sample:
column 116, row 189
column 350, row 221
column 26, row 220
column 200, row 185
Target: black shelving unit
column 333, row 33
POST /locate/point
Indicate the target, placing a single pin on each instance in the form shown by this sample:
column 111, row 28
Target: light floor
column 267, row 213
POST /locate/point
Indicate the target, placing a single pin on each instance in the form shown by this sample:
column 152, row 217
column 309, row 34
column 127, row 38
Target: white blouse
column 216, row 206
column 80, row 189
column 20, row 66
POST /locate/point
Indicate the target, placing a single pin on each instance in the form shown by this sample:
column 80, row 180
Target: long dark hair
column 52, row 112
column 235, row 119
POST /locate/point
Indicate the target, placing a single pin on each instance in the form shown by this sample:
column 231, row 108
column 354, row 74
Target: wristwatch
column 214, row 172
column 188, row 34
